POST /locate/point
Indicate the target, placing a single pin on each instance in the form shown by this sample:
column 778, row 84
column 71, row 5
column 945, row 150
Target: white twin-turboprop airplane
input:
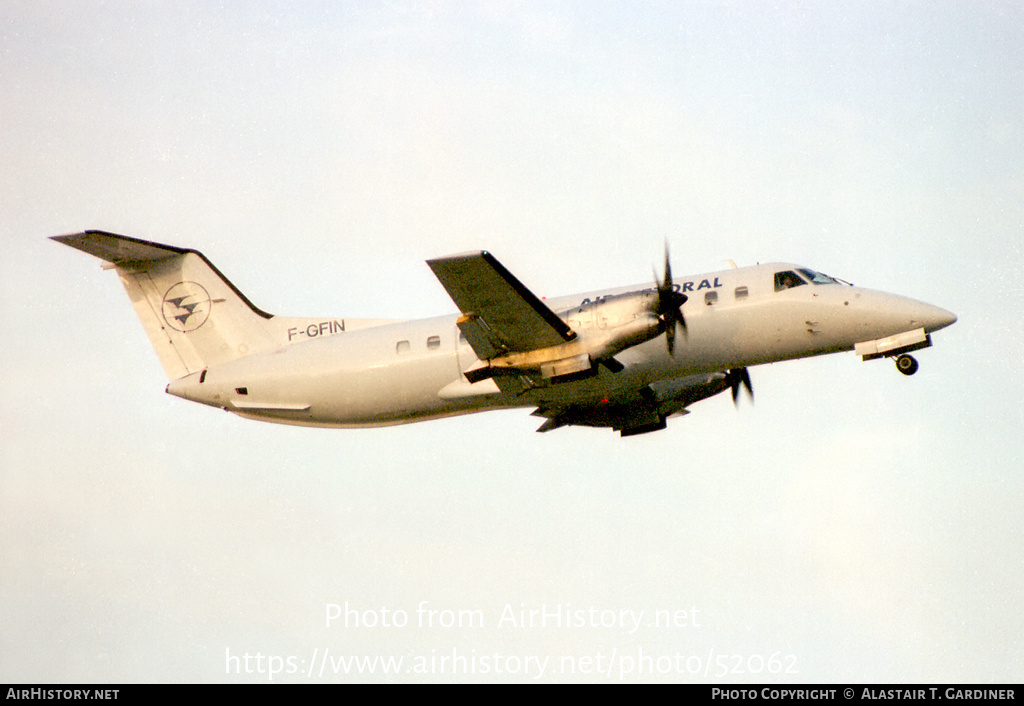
column 589, row 359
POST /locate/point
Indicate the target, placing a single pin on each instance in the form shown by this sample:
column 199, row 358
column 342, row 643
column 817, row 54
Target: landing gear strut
column 906, row 364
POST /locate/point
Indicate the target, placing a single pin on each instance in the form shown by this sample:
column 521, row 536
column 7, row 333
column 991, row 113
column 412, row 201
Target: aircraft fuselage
column 626, row 358
column 328, row 373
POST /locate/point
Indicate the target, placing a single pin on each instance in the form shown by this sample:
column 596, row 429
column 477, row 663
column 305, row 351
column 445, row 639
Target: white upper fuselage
column 347, row 373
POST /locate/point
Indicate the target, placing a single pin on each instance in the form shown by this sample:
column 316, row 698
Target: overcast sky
column 852, row 525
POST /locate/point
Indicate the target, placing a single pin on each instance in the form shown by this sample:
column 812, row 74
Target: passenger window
column 711, row 298
column 402, row 347
column 742, row 292
column 787, row 280
column 434, row 342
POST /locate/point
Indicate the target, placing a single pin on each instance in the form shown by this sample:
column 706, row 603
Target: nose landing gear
column 906, row 364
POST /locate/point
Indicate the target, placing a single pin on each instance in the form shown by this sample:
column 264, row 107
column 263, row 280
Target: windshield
column 817, row 277
column 787, row 280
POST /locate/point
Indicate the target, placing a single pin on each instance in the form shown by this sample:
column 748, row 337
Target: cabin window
column 434, row 342
column 787, row 280
column 711, row 298
column 402, row 347
column 742, row 292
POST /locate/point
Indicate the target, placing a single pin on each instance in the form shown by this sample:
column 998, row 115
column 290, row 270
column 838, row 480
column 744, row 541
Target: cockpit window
column 787, row 280
column 817, row 277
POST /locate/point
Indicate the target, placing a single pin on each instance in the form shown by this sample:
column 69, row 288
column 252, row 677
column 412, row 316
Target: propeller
column 669, row 308
column 735, row 378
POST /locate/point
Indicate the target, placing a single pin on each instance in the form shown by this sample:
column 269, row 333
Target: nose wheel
column 906, row 364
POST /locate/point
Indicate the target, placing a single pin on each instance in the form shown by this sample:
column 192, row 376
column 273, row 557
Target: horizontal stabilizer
column 118, row 249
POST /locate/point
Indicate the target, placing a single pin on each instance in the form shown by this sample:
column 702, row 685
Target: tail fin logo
column 186, row 306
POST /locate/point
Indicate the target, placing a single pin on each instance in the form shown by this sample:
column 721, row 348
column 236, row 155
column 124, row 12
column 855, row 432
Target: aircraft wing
column 646, row 409
column 500, row 315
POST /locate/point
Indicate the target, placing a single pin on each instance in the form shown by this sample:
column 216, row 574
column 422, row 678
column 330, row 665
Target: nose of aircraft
column 905, row 314
column 935, row 318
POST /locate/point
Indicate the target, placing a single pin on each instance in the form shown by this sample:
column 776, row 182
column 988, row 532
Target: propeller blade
column 677, row 305
column 736, row 378
column 669, row 307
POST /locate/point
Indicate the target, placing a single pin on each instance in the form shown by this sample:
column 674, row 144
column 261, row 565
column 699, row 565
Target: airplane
column 627, row 358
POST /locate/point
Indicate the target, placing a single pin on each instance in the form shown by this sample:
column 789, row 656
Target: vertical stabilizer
column 193, row 315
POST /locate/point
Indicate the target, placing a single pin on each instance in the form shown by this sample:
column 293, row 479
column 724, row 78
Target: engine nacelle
column 603, row 328
column 612, row 324
column 677, row 393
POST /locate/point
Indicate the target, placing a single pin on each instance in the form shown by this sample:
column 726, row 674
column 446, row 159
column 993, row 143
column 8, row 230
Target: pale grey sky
column 854, row 524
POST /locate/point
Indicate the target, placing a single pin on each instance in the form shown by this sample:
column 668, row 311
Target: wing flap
column 484, row 342
column 501, row 315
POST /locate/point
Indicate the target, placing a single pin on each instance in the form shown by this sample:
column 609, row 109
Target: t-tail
column 194, row 317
